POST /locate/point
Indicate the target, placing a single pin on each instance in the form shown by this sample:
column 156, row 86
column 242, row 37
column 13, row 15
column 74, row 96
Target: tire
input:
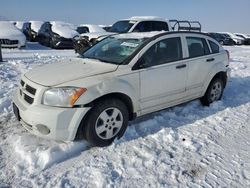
column 221, row 42
column 107, row 120
column 214, row 92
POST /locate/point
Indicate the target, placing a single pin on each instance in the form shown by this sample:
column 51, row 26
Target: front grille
column 27, row 92
column 28, row 99
column 31, row 89
column 8, row 41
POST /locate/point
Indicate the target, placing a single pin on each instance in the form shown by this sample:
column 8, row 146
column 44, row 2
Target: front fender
column 127, row 85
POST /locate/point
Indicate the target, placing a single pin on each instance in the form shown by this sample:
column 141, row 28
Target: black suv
column 222, row 39
column 48, row 37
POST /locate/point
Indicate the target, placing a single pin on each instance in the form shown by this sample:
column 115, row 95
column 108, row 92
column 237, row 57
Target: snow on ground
column 185, row 146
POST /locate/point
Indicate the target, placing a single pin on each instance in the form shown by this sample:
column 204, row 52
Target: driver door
column 163, row 75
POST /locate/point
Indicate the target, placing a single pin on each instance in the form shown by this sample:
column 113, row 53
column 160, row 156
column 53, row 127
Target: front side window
column 197, row 47
column 122, row 26
column 165, row 51
column 114, row 50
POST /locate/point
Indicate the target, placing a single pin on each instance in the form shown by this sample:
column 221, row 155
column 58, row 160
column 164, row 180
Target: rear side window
column 214, row 47
column 197, row 47
column 167, row 50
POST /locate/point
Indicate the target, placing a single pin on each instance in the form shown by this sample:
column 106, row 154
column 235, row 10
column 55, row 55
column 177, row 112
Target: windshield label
column 129, row 44
column 132, row 22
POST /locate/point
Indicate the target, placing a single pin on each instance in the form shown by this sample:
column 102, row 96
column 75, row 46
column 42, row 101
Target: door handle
column 211, row 59
column 181, row 66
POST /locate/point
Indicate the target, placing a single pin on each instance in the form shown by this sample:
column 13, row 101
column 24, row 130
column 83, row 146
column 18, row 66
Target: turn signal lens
column 77, row 93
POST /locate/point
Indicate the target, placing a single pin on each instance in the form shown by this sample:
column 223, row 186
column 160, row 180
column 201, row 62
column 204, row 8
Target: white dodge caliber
column 121, row 77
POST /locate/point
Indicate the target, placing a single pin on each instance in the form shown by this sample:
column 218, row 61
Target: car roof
column 156, row 34
column 146, row 18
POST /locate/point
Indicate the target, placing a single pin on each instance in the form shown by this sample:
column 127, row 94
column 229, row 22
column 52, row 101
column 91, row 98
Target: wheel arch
column 116, row 95
column 222, row 75
column 80, row 132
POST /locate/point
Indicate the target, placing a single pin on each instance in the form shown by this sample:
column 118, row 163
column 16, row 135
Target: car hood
column 68, row 70
column 11, row 34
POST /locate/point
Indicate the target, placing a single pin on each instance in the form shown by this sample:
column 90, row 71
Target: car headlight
column 62, row 97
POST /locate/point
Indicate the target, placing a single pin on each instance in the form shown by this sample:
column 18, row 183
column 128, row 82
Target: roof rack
column 180, row 25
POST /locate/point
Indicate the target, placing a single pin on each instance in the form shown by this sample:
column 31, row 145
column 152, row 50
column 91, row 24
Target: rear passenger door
column 163, row 74
column 200, row 62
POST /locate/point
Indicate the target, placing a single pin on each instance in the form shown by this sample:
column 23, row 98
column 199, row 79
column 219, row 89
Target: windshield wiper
column 107, row 61
column 102, row 60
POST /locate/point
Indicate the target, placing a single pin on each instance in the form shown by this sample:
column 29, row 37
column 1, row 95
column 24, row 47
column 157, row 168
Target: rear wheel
column 221, row 42
column 214, row 92
column 107, row 120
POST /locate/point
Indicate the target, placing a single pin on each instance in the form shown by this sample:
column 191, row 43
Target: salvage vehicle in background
column 82, row 42
column 244, row 37
column 88, row 28
column 56, row 34
column 237, row 40
column 119, row 78
column 25, row 27
column 135, row 24
column 222, row 39
column 35, row 27
column 11, row 36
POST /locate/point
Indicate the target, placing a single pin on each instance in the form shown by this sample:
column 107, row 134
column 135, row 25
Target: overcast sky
column 214, row 15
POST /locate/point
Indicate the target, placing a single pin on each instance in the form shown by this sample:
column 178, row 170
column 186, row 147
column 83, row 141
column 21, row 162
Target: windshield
column 113, row 50
column 226, row 35
column 121, row 26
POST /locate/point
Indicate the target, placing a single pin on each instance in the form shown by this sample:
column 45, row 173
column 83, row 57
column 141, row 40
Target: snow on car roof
column 5, row 25
column 36, row 25
column 139, row 18
column 139, row 35
column 64, row 29
column 19, row 24
column 93, row 28
column 10, row 31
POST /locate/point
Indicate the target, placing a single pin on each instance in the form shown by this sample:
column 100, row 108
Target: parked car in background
column 87, row 28
column 133, row 24
column 81, row 43
column 57, row 34
column 11, row 36
column 25, row 27
column 18, row 24
column 106, row 27
column 222, row 39
column 35, row 27
column 120, row 78
column 245, row 37
column 237, row 40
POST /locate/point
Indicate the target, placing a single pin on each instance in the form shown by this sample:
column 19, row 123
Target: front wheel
column 214, row 92
column 107, row 120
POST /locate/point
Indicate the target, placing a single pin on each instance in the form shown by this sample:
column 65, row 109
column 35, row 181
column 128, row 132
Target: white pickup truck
column 134, row 24
column 119, row 78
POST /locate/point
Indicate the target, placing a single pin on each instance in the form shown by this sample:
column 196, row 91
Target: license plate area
column 16, row 112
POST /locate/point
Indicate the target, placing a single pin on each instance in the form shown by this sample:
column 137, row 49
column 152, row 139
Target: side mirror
column 140, row 64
